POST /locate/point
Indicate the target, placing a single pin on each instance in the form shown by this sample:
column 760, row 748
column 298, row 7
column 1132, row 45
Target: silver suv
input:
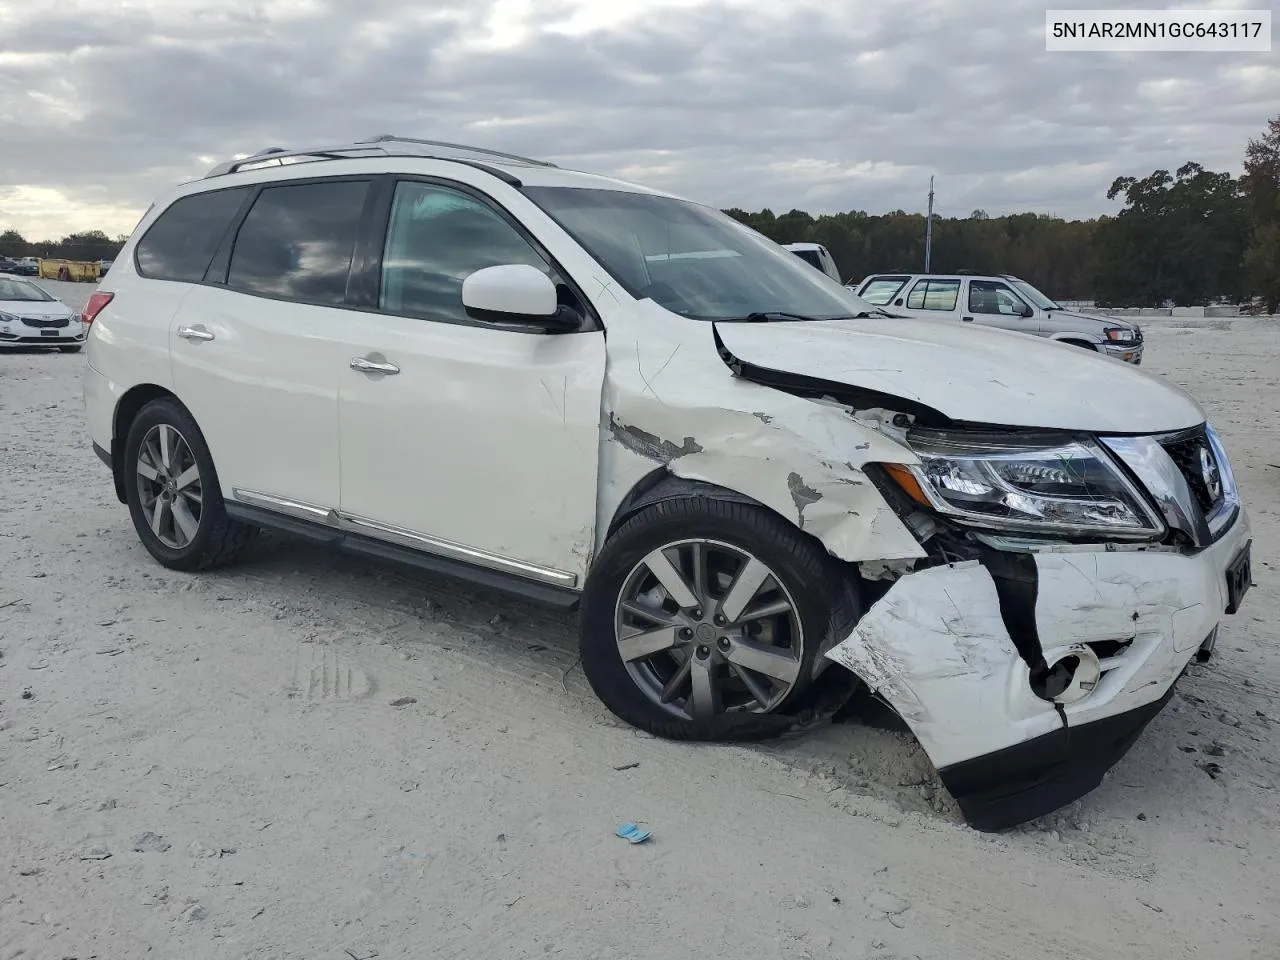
column 1001, row 301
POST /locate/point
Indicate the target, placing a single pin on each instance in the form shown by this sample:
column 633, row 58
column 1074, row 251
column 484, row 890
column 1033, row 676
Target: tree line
column 1190, row 237
column 89, row 245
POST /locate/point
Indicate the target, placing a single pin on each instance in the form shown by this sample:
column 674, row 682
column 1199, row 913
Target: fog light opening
column 1068, row 678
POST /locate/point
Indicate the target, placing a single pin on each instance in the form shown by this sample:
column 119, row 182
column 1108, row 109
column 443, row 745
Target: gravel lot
column 213, row 766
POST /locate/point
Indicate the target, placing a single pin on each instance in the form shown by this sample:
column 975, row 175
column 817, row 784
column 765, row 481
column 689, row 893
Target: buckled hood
column 971, row 375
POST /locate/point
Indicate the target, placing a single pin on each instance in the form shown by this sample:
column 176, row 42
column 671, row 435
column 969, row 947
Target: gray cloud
column 824, row 107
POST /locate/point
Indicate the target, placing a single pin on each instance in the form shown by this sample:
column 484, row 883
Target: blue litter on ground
column 632, row 833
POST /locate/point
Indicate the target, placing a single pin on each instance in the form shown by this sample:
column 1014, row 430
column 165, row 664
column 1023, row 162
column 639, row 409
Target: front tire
column 173, row 494
column 703, row 618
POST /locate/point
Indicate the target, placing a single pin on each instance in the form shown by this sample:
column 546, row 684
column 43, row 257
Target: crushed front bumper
column 940, row 648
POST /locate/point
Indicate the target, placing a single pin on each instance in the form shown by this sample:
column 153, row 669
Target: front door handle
column 365, row 365
column 194, row 333
column 967, row 319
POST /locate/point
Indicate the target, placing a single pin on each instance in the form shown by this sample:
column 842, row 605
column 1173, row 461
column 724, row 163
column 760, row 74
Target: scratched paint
column 670, row 401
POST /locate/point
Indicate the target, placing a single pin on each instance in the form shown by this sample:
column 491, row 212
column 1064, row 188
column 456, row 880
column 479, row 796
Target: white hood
column 978, row 375
column 36, row 308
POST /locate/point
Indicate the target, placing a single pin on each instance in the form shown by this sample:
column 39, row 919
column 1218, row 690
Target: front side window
column 991, row 297
column 933, row 294
column 298, row 240
column 22, row 291
column 182, row 241
column 693, row 260
column 438, row 237
column 882, row 290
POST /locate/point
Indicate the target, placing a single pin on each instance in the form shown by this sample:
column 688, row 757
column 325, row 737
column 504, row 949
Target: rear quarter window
column 182, row 241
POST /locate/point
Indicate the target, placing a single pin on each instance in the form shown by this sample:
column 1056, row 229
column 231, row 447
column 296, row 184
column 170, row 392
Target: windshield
column 24, row 290
column 1034, row 295
column 693, row 260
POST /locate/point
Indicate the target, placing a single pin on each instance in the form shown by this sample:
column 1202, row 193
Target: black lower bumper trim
column 1028, row 780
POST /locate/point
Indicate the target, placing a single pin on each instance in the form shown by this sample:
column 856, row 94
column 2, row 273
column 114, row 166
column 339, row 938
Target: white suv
column 1001, row 301
column 602, row 395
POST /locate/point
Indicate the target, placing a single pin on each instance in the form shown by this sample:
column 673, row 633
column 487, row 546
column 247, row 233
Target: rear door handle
column 194, row 333
column 365, row 365
column 967, row 319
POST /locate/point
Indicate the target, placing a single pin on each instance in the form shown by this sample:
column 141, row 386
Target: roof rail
column 385, row 145
column 392, row 138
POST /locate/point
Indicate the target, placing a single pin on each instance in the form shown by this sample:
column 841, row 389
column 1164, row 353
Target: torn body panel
column 670, row 401
column 939, row 649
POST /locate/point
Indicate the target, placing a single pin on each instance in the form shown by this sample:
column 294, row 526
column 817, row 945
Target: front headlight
column 1066, row 488
column 1121, row 335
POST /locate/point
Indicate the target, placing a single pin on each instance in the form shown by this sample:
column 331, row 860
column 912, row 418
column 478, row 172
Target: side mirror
column 516, row 293
column 898, row 302
column 1028, row 310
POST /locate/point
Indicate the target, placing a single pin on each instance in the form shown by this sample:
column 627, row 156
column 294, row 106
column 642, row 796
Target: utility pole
column 928, row 230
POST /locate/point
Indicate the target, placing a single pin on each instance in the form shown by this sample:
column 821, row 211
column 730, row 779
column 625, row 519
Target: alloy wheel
column 170, row 490
column 704, row 628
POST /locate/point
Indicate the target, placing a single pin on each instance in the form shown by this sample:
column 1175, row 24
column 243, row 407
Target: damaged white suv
column 598, row 394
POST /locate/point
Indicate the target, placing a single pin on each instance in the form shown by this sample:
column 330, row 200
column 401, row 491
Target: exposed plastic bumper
column 1038, row 776
column 938, row 649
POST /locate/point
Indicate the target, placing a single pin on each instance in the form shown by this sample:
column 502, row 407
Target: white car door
column 993, row 303
column 475, row 442
column 257, row 361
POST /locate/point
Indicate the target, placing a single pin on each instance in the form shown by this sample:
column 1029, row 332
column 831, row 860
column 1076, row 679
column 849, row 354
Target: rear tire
column 172, row 490
column 755, row 668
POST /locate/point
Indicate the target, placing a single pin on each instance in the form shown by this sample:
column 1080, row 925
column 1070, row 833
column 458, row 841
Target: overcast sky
column 825, row 106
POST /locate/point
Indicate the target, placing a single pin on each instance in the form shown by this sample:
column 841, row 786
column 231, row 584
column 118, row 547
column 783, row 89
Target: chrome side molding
column 407, row 538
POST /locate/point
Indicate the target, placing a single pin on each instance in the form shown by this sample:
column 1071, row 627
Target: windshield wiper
column 778, row 316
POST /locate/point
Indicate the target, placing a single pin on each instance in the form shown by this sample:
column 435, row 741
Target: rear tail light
column 97, row 301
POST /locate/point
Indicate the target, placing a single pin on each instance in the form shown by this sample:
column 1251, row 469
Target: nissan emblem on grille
column 1210, row 473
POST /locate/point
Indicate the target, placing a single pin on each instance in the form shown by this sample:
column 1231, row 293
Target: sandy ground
column 213, row 766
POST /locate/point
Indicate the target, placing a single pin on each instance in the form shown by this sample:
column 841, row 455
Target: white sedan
column 30, row 316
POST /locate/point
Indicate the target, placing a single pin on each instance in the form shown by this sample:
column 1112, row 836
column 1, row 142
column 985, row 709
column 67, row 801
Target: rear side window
column 809, row 256
column 934, row 295
column 882, row 289
column 298, row 240
column 182, row 241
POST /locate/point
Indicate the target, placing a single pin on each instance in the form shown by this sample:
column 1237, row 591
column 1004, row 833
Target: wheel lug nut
column 686, row 633
column 720, row 619
column 723, row 643
column 704, row 652
column 697, row 613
